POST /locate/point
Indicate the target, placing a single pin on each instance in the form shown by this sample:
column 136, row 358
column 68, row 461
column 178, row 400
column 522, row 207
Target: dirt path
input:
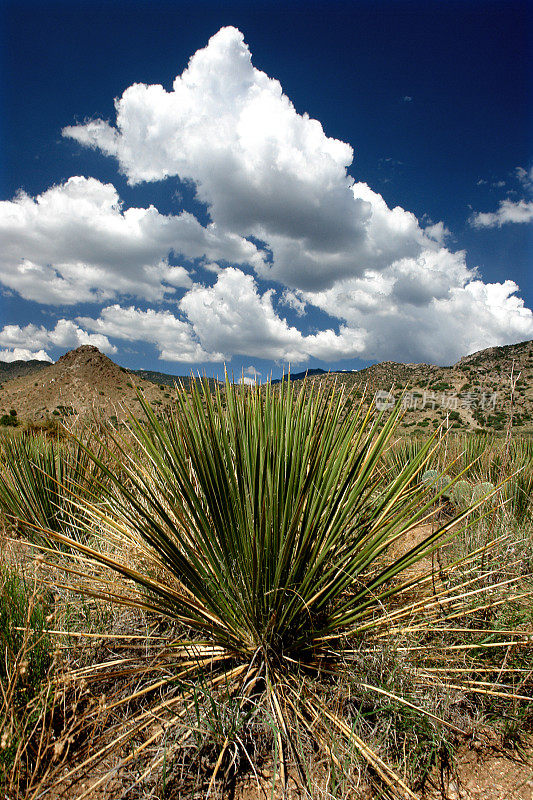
column 489, row 776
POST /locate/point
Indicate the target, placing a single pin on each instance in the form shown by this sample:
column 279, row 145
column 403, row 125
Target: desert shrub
column 461, row 494
column 20, row 604
column 430, row 476
column 260, row 528
column 49, row 427
column 480, row 490
column 39, row 706
column 440, row 484
column 38, row 476
column 24, row 669
column 443, row 485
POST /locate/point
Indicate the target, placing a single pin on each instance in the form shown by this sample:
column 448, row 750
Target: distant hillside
column 164, row 379
column 299, row 376
column 16, row 369
column 473, row 394
column 82, row 382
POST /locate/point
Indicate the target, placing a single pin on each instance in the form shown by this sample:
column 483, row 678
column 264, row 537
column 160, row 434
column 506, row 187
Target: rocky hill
column 82, row 382
column 473, row 394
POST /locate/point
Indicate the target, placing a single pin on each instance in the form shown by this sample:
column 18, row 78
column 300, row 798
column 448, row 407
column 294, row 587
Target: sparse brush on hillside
column 260, row 528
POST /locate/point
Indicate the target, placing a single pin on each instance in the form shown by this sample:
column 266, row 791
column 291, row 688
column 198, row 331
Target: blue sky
column 325, row 184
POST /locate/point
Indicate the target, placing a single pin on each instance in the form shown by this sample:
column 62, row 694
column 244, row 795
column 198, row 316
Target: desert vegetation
column 261, row 592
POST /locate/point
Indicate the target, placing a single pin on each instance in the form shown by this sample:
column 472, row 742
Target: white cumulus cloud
column 281, row 203
column 75, row 242
column 23, row 354
column 262, row 169
column 230, row 318
column 235, row 317
column 65, row 335
column 430, row 309
column 508, row 211
column 174, row 338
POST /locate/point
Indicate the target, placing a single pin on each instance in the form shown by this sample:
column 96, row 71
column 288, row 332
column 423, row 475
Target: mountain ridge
column 473, row 393
column 16, row 369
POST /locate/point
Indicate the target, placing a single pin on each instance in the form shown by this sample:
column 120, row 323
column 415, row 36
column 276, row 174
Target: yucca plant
column 261, row 525
column 520, row 488
column 474, row 448
column 520, row 492
column 402, row 452
column 39, row 478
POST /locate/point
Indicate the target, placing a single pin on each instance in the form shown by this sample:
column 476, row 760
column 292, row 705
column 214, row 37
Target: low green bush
column 461, row 494
column 430, row 476
column 480, row 490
